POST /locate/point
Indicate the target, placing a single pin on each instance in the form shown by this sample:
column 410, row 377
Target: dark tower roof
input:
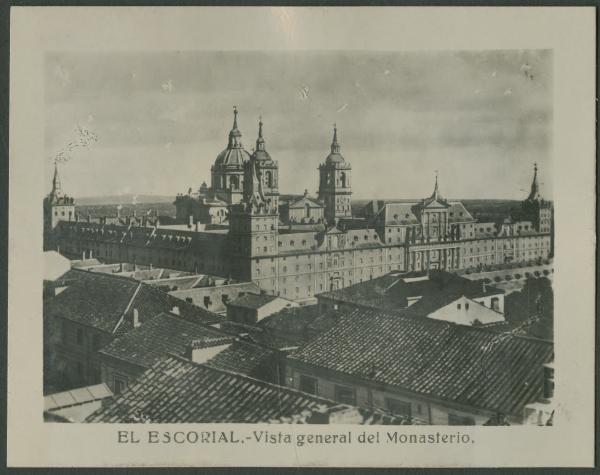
column 534, row 194
column 56, row 186
column 234, row 155
column 56, row 196
column 261, row 153
column 335, row 156
column 436, row 195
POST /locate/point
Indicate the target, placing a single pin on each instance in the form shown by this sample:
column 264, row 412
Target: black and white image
column 299, row 237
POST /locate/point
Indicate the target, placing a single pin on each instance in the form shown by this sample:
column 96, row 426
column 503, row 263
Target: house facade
column 422, row 368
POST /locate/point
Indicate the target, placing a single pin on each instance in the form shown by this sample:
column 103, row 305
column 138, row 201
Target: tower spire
column 535, row 188
column 235, row 135
column 56, row 186
column 260, row 141
column 335, row 146
column 436, row 191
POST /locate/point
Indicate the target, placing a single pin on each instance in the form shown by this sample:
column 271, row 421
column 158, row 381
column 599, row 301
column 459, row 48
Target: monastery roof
column 106, row 302
column 405, row 213
column 177, row 391
column 466, row 365
column 162, row 334
column 305, row 200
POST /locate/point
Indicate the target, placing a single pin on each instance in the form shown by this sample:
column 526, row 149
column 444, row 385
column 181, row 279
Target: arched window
column 235, row 182
column 307, row 208
column 269, row 178
column 343, row 179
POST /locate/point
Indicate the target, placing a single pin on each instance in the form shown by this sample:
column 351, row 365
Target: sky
column 481, row 119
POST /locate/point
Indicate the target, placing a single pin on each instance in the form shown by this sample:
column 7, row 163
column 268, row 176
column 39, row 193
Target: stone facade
column 250, row 244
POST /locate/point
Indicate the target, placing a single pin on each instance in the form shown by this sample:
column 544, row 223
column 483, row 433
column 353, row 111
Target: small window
column 466, row 305
column 308, row 384
column 120, row 383
column 345, row 395
column 458, row 306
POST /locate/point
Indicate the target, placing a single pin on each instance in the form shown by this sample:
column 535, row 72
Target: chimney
column 483, row 286
column 190, row 221
column 196, row 226
column 136, row 318
column 89, row 218
column 175, row 310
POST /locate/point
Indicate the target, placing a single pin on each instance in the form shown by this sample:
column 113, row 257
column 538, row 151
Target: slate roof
column 466, row 365
column 175, row 390
column 392, row 291
column 106, row 302
column 408, row 212
column 252, row 301
column 160, row 335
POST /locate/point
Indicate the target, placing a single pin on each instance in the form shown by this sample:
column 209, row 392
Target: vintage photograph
column 299, row 237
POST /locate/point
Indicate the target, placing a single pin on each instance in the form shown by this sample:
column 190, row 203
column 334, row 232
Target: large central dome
column 234, row 155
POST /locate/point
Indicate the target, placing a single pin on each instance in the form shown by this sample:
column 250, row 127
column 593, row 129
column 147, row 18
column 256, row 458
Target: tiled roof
column 299, row 323
column 291, row 319
column 257, row 334
column 98, row 301
column 466, row 365
column 247, row 358
column 252, row 301
column 391, row 291
column 175, row 390
column 105, row 302
column 160, row 335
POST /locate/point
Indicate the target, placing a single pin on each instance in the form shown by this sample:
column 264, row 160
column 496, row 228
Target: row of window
column 347, row 395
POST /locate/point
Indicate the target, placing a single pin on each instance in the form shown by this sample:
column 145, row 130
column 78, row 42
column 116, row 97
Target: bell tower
column 536, row 209
column 335, row 183
column 57, row 207
column 267, row 169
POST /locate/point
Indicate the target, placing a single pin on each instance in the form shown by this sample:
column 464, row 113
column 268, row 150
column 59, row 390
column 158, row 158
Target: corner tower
column 253, row 229
column 535, row 208
column 335, row 183
column 57, row 207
